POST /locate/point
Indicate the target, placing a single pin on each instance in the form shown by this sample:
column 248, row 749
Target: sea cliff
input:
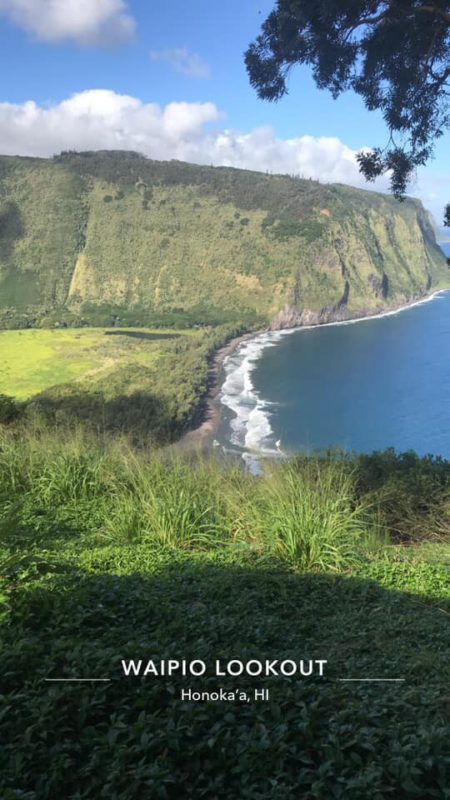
column 114, row 237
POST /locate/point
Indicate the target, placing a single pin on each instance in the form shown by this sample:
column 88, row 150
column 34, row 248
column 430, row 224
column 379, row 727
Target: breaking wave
column 251, row 430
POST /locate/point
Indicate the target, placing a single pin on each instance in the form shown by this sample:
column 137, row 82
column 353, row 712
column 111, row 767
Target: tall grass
column 310, row 512
column 169, row 501
column 56, row 467
column 308, row 515
column 311, row 515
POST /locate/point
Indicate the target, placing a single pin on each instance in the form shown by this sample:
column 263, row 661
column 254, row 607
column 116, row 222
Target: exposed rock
column 291, row 317
column 379, row 284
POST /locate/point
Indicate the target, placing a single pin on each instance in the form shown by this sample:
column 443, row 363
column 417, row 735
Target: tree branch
column 433, row 10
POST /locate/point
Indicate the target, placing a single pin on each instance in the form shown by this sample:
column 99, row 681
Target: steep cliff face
column 117, row 230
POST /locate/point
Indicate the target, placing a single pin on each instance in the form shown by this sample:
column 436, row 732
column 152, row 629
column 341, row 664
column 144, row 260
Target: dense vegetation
column 146, row 384
column 107, row 554
column 107, row 238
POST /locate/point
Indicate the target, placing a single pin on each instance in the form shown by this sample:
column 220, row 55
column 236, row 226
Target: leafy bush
column 9, row 410
column 283, row 228
column 411, row 492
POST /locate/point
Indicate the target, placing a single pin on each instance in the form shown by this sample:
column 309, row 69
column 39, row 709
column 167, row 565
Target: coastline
column 201, row 436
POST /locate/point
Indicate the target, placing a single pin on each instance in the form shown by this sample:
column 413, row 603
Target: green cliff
column 109, row 234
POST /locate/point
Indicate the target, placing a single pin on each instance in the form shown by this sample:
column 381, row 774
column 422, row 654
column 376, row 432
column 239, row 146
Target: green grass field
column 145, row 383
column 34, row 360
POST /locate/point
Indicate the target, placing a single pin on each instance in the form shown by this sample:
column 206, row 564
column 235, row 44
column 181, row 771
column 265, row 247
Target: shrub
column 8, row 409
column 411, row 492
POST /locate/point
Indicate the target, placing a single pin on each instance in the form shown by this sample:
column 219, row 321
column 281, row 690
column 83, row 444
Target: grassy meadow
column 33, row 360
column 144, row 383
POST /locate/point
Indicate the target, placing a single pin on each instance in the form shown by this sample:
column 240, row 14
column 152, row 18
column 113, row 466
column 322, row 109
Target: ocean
column 360, row 386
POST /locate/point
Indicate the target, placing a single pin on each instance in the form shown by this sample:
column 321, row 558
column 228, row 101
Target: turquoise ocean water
column 360, row 386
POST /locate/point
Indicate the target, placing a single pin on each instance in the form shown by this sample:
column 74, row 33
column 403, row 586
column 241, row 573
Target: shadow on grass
column 11, row 227
column 141, row 415
column 135, row 737
column 143, row 335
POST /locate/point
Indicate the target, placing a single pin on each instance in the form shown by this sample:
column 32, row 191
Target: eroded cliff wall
column 120, row 231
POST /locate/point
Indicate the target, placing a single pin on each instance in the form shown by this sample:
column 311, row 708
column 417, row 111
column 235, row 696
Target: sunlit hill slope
column 101, row 235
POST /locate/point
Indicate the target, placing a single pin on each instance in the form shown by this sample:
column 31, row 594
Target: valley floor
column 149, row 385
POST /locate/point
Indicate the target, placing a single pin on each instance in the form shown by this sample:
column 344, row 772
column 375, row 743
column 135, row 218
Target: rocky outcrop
column 379, row 284
column 291, row 317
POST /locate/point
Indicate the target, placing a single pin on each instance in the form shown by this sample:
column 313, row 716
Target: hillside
column 110, row 555
column 115, row 236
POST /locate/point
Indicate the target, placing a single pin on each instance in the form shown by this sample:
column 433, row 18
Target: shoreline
column 209, row 411
column 201, row 436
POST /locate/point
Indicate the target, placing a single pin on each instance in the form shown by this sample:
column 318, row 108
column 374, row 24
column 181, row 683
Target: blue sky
column 181, row 67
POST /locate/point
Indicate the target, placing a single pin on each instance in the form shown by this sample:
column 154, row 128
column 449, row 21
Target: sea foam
column 251, row 430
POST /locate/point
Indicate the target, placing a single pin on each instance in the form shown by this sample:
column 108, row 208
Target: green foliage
column 108, row 554
column 8, row 409
column 172, row 505
column 44, row 228
column 134, row 737
column 309, row 230
column 35, row 360
column 447, row 215
column 315, row 513
column 145, row 384
column 311, row 516
column 410, row 492
column 356, row 45
column 116, row 238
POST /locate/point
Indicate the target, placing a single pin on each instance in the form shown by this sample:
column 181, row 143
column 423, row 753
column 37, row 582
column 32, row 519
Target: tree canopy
column 395, row 54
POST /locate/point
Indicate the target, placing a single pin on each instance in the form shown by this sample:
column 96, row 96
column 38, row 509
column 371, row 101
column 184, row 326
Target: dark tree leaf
column 395, row 54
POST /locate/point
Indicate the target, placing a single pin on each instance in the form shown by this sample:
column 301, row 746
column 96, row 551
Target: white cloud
column 102, row 119
column 183, row 61
column 87, row 22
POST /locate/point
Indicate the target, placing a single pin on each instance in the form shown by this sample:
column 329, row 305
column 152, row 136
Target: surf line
column 251, row 431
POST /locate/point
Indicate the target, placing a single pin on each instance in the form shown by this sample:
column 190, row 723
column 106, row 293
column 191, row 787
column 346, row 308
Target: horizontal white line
column 58, row 680
column 372, row 679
